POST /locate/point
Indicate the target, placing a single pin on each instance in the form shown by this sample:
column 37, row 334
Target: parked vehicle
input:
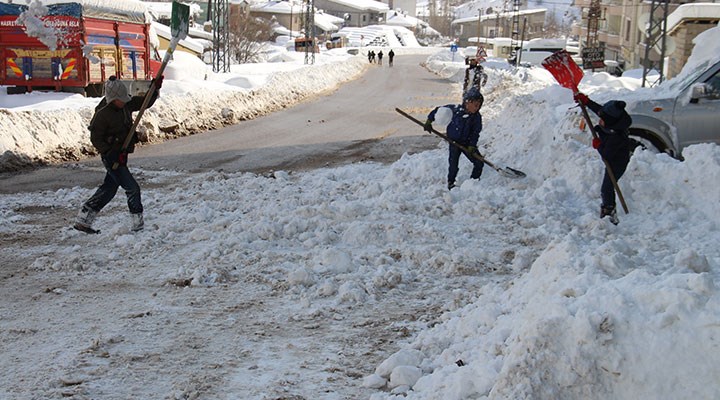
column 94, row 40
column 534, row 51
column 689, row 113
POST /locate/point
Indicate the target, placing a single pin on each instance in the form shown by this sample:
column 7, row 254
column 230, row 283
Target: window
column 627, row 30
column 714, row 85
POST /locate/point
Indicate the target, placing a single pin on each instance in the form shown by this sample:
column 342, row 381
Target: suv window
column 714, row 84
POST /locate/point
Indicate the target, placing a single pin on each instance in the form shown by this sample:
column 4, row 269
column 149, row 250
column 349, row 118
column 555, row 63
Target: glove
column 158, row 81
column 472, row 150
column 581, row 98
column 596, row 142
column 428, row 126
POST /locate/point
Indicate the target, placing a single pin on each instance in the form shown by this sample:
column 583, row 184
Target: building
column 355, row 13
column 498, row 24
column 292, row 17
column 622, row 30
column 683, row 25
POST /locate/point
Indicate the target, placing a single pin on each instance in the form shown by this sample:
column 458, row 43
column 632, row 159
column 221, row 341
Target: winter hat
column 116, row 90
column 473, row 94
column 612, row 112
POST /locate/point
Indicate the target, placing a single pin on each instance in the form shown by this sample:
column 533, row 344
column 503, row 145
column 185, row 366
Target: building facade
column 497, row 24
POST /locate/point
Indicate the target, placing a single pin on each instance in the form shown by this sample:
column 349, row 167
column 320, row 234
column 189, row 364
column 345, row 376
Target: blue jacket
column 464, row 128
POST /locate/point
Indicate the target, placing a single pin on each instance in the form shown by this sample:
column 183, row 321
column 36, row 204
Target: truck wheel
column 94, row 90
column 72, row 89
column 16, row 89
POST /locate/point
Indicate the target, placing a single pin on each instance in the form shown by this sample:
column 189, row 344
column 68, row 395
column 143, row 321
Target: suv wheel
column 648, row 141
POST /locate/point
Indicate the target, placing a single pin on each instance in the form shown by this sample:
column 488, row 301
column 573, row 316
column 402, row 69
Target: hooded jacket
column 615, row 143
column 110, row 125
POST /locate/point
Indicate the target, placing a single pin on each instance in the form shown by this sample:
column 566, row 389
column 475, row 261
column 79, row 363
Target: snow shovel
column 179, row 25
column 504, row 171
column 568, row 74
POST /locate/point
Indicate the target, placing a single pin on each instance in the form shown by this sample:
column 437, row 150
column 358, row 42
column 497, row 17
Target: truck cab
column 687, row 112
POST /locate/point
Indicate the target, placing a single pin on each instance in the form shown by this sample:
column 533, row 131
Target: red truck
column 94, row 40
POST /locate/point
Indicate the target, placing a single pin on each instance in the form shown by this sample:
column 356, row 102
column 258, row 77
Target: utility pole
column 309, row 27
column 221, row 36
column 515, row 30
column 657, row 29
column 593, row 53
column 478, row 27
column 522, row 39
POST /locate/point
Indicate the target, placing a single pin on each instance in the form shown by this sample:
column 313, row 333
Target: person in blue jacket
column 464, row 128
column 613, row 144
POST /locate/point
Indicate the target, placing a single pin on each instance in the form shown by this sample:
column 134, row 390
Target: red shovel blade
column 561, row 65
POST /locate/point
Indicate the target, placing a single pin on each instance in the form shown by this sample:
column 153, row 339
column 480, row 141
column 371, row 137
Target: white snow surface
column 542, row 299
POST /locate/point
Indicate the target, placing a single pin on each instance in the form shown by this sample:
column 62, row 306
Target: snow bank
column 38, row 136
column 602, row 312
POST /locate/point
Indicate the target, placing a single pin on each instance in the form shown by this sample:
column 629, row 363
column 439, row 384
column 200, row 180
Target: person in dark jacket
column 391, row 56
column 464, row 128
column 108, row 129
column 613, row 144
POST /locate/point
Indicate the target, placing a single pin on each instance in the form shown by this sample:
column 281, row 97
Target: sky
column 245, row 286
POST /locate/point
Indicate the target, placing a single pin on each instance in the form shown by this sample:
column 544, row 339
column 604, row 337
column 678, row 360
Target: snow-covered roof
column 365, row 5
column 692, row 11
column 502, row 15
column 396, row 18
column 278, row 7
column 327, row 22
column 133, row 10
column 380, row 35
column 189, row 43
column 163, row 10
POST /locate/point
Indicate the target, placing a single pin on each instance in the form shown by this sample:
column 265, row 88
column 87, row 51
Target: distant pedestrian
column 613, row 144
column 464, row 129
column 380, row 56
column 108, row 129
column 370, row 57
column 391, row 55
column 475, row 75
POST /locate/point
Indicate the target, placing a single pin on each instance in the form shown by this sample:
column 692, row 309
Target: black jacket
column 615, row 143
column 110, row 125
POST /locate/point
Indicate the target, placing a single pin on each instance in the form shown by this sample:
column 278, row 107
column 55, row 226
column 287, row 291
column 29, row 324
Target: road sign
column 481, row 54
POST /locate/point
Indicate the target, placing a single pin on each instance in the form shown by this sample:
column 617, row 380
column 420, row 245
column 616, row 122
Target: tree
column 246, row 37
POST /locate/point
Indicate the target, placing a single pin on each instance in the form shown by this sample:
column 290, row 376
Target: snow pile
column 379, row 35
column 603, row 312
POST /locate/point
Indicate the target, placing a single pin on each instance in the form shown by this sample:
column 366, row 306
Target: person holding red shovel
column 613, row 145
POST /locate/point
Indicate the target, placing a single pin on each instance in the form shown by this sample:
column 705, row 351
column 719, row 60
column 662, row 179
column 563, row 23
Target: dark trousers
column 607, row 190
column 115, row 178
column 454, row 160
